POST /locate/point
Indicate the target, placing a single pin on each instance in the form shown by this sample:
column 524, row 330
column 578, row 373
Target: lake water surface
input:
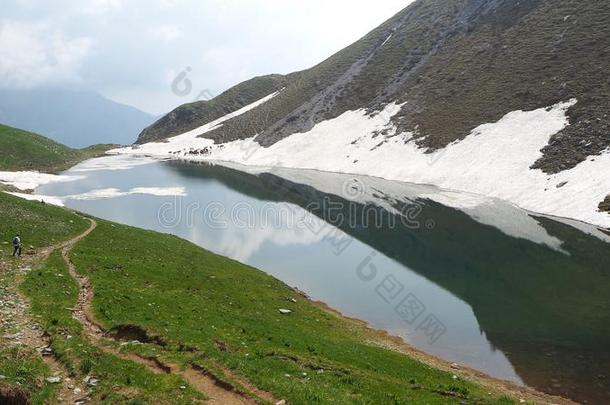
column 519, row 296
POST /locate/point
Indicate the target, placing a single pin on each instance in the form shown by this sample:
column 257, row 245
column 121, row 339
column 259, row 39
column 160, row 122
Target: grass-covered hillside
column 173, row 316
column 22, row 150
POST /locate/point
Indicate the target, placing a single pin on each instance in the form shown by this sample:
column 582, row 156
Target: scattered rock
column 46, row 351
column 54, row 380
column 285, row 311
column 282, row 402
column 563, row 183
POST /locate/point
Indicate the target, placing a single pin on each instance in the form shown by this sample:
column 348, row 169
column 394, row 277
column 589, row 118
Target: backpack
column 16, row 241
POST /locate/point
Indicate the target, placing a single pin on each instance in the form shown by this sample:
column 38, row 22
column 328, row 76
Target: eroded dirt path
column 19, row 330
column 217, row 392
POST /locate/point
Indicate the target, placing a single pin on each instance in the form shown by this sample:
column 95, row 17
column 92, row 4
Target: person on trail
column 17, row 246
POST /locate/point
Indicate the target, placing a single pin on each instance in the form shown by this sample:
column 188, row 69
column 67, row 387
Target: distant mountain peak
column 76, row 118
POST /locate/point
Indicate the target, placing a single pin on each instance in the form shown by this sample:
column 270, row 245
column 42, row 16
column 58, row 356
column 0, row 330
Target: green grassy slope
column 208, row 312
column 40, row 226
column 216, row 313
column 22, row 150
column 53, row 292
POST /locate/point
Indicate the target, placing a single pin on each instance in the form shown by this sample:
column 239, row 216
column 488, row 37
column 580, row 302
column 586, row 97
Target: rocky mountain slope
column 193, row 115
column 455, row 65
column 491, row 89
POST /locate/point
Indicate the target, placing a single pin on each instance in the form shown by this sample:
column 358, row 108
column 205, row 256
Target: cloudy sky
column 132, row 50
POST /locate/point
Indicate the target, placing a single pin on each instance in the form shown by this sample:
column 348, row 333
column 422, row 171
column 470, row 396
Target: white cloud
column 166, row 33
column 97, row 7
column 32, row 55
column 138, row 41
column 167, row 4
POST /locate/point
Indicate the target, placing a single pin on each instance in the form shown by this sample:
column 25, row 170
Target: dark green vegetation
column 458, row 64
column 215, row 313
column 190, row 116
column 22, row 150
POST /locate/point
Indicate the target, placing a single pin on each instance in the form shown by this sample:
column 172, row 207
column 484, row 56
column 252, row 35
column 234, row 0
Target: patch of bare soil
column 13, row 396
column 129, row 333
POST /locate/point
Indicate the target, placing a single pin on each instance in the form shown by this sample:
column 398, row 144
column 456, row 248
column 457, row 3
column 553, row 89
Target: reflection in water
column 521, row 297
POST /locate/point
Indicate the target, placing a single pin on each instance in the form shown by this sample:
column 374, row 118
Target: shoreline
column 233, row 164
column 385, row 339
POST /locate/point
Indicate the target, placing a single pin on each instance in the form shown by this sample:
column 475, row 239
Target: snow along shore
column 28, row 181
column 494, row 160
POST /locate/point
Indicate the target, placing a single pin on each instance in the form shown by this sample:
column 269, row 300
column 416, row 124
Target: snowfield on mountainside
column 494, row 160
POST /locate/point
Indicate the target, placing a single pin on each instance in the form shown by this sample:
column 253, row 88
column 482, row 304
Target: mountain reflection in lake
column 477, row 281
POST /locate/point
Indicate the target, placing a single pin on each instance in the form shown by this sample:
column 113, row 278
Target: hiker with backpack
column 17, row 246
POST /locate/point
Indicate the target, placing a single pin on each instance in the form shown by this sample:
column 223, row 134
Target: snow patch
column 114, row 193
column 494, row 160
column 189, row 140
column 27, row 181
column 41, row 198
column 104, row 194
column 115, row 162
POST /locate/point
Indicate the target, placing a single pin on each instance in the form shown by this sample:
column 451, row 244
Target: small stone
column 2, row 377
column 455, row 377
column 182, row 387
column 46, row 351
column 455, row 366
column 54, row 380
column 285, row 311
column 282, row 402
column 93, row 382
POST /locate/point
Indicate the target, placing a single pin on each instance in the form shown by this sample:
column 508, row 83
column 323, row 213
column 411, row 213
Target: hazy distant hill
column 73, row 118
